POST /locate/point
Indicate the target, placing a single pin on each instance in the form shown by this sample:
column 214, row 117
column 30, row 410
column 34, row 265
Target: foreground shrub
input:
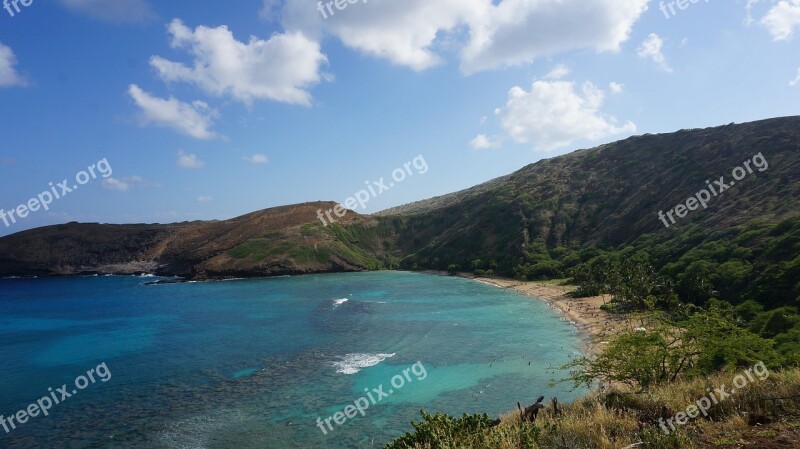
column 441, row 430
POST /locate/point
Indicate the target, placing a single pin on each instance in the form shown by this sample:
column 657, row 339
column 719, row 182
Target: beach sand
column 595, row 325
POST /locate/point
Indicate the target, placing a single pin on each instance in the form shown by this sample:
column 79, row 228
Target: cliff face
column 605, row 197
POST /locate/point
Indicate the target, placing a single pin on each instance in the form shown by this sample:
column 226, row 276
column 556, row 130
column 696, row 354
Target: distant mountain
column 278, row 241
column 536, row 222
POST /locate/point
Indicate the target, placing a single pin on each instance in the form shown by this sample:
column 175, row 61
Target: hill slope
column 277, row 241
column 538, row 221
column 609, row 196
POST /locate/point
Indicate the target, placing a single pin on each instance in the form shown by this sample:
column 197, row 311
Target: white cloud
column 112, row 10
column 191, row 119
column 615, row 88
column 8, row 74
column 204, row 199
column 796, row 80
column 189, row 161
column 403, row 32
column 127, row 183
column 281, row 68
column 553, row 115
column 482, row 142
column 651, row 49
column 257, row 159
column 414, row 33
column 782, row 19
column 115, row 184
column 515, row 32
column 558, row 72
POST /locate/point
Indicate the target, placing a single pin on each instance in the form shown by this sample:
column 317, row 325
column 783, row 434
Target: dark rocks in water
column 167, row 281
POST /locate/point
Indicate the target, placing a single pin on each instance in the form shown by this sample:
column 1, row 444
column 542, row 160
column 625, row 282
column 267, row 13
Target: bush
column 668, row 349
column 441, row 430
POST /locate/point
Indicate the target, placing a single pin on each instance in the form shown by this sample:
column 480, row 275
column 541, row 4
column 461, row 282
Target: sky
column 168, row 111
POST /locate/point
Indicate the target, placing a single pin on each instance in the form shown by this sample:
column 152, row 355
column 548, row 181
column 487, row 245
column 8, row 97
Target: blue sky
column 209, row 110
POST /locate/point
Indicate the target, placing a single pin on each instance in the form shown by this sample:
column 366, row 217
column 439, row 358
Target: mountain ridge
column 535, row 222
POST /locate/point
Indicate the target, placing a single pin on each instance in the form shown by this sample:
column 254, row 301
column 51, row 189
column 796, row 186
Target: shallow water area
column 254, row 363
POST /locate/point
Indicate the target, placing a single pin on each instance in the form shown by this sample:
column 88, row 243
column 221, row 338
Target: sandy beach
column 595, row 325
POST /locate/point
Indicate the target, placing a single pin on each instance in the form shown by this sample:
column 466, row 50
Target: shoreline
column 594, row 326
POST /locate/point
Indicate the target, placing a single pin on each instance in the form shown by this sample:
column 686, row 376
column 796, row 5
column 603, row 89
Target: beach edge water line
column 556, row 297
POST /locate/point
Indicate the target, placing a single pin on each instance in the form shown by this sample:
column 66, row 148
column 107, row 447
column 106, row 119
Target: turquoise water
column 254, row 363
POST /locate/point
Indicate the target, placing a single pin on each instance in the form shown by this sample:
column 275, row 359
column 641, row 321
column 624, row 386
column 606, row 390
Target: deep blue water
column 254, row 363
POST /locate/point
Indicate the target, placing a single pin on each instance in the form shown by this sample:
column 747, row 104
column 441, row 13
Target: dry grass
column 763, row 409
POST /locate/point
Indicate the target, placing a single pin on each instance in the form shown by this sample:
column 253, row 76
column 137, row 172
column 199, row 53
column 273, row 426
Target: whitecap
column 339, row 302
column 353, row 363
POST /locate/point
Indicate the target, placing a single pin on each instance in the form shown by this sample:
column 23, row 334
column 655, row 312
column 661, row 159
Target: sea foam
column 353, row 363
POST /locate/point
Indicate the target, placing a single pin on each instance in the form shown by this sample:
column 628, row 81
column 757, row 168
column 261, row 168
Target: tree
column 476, row 264
column 670, row 347
column 722, row 344
column 638, row 359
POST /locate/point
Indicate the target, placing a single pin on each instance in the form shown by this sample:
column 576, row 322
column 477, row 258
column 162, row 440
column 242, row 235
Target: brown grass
column 763, row 414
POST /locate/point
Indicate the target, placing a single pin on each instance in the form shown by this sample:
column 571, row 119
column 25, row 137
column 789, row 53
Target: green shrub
column 441, row 430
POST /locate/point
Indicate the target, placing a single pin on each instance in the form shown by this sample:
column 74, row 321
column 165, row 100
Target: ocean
column 263, row 363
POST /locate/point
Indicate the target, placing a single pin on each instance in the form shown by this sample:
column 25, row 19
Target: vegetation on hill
column 536, row 222
column 539, row 222
column 278, row 241
column 764, row 414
